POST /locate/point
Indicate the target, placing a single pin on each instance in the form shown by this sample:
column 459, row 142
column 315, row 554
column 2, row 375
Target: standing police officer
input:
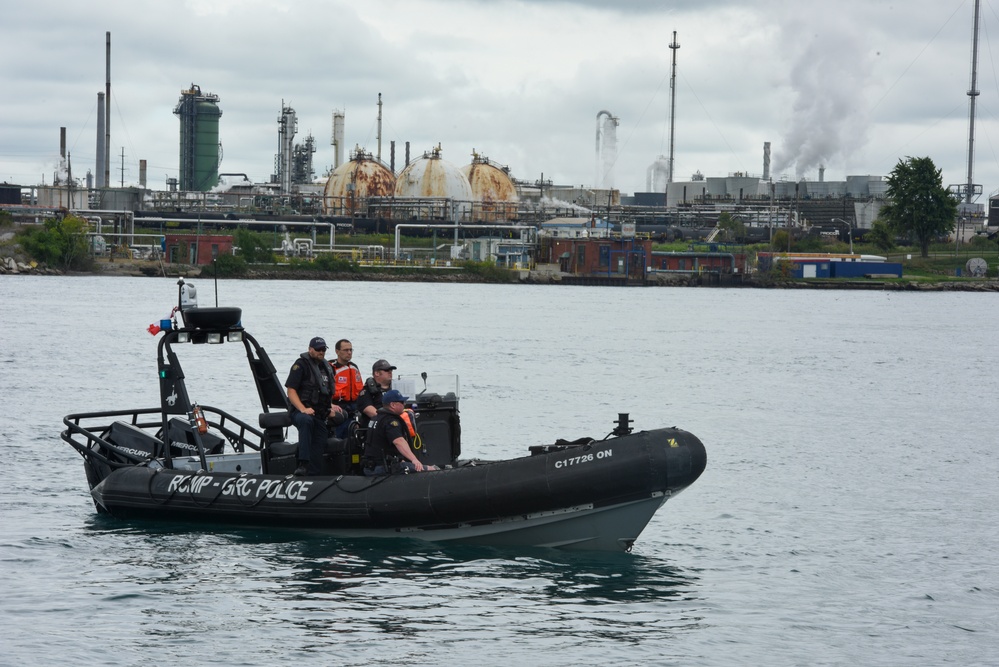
column 310, row 392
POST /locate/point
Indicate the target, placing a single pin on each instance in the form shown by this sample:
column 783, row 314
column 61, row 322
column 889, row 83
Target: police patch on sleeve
column 295, row 367
column 394, row 423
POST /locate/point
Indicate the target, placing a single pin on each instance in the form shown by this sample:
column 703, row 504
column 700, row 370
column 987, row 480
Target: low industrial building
column 823, row 265
column 197, row 249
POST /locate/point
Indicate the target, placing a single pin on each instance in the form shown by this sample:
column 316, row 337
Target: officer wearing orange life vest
column 390, row 436
column 347, row 384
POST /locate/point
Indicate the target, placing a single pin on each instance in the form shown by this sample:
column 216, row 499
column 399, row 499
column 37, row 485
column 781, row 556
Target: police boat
column 190, row 462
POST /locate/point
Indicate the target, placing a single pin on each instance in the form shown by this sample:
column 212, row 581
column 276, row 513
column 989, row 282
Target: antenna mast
column 674, row 46
column 969, row 190
column 107, row 116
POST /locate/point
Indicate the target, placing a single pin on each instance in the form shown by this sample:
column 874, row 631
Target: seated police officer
column 310, row 392
column 389, row 445
column 370, row 398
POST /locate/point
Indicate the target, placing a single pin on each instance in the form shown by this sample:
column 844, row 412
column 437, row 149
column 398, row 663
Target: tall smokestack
column 101, row 183
column 62, row 142
column 822, row 173
column 107, row 117
column 337, row 138
column 379, row 126
column 766, row 160
column 142, row 173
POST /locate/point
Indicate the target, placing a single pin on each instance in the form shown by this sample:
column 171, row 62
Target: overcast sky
column 852, row 84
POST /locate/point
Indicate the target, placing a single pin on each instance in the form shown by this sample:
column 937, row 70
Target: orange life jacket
column 347, row 382
column 407, row 417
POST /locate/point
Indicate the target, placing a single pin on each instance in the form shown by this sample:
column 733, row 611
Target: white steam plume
column 832, row 67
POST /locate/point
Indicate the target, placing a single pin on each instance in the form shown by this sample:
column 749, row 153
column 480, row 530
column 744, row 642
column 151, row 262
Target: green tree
column 59, row 242
column 333, row 264
column 780, row 241
column 253, row 247
column 731, row 228
column 981, row 242
column 918, row 204
column 226, row 266
column 880, row 235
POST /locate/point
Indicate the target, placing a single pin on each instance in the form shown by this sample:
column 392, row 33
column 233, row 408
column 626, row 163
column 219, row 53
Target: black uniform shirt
column 366, row 398
column 385, row 428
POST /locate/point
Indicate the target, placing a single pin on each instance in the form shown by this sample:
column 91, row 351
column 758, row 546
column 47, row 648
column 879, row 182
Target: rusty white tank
column 495, row 195
column 432, row 176
column 363, row 176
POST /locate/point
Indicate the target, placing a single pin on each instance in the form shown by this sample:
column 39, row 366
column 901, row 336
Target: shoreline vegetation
column 60, row 248
column 489, row 274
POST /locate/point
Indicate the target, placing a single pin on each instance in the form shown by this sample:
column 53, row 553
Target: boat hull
column 598, row 496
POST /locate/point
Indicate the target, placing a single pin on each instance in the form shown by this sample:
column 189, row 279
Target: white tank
column 363, row 176
column 432, row 176
column 492, row 188
column 489, row 181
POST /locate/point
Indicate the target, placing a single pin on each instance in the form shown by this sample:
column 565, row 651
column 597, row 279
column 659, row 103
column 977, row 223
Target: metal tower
column 674, row 47
column 200, row 151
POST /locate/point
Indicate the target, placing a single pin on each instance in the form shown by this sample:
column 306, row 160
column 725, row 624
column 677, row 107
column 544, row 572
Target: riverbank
column 139, row 268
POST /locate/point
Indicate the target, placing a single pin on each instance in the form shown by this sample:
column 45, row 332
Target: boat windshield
column 420, row 386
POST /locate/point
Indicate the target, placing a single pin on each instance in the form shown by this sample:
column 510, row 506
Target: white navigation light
column 235, row 336
column 214, row 338
column 183, row 337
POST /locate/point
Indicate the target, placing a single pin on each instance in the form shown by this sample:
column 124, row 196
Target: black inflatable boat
column 187, row 462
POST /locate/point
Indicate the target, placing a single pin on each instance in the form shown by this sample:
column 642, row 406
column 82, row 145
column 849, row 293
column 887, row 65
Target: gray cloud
column 518, row 81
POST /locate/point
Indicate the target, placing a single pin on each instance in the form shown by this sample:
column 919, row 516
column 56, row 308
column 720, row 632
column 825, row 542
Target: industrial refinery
column 426, row 188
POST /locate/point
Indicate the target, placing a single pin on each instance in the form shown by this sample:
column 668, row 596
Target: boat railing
column 237, row 436
column 93, row 444
column 86, row 434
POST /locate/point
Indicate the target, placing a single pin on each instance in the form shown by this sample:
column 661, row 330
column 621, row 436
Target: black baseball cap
column 382, row 365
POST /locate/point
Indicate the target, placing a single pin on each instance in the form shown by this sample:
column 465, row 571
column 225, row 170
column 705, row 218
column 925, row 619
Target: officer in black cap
column 389, row 447
column 310, row 392
column 370, row 398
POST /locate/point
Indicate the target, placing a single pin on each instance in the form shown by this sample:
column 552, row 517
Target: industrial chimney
column 766, row 160
column 337, row 141
column 100, row 142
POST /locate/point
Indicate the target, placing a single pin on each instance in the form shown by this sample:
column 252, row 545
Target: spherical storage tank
column 362, row 177
column 490, row 182
column 492, row 188
column 431, row 176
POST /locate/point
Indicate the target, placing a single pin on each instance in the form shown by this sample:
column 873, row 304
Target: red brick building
column 697, row 262
column 599, row 257
column 198, row 249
